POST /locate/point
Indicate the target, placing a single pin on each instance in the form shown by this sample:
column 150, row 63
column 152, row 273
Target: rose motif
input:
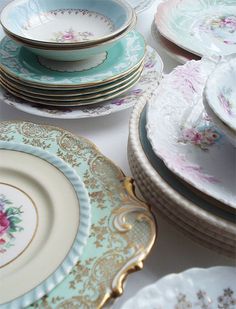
column 4, row 223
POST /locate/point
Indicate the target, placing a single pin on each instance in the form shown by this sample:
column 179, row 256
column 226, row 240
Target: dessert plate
column 220, row 92
column 122, row 231
column 184, row 137
column 174, row 51
column 150, row 77
column 117, row 62
column 141, row 5
column 191, row 23
column 35, row 186
column 192, row 288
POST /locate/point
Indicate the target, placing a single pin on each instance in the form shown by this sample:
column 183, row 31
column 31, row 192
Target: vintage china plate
column 32, row 215
column 150, row 77
column 220, row 92
column 117, row 62
column 72, row 101
column 122, row 231
column 185, row 138
column 194, row 288
column 191, row 23
column 199, row 219
column 43, row 91
column 174, row 51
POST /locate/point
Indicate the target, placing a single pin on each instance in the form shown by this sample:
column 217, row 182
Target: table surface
column 173, row 251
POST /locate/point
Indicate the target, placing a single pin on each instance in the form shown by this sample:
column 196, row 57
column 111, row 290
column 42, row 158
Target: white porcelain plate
column 39, row 196
column 203, row 27
column 196, row 288
column 150, row 77
column 221, row 92
column 184, row 137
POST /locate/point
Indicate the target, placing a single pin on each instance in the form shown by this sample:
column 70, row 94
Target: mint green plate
column 123, row 229
column 25, row 66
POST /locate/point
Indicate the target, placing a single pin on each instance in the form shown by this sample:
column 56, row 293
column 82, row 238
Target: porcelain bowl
column 75, row 53
column 66, row 23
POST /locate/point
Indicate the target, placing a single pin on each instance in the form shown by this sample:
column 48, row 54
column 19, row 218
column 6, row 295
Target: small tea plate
column 184, row 137
column 220, row 92
column 122, row 231
column 117, row 62
column 35, row 186
column 196, row 288
column 191, row 23
column 152, row 73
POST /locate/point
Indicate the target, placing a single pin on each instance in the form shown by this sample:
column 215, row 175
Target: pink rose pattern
column 70, row 36
column 10, row 217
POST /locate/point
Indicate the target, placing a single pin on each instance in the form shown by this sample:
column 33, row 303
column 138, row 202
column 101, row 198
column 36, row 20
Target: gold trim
column 78, row 45
column 71, row 103
column 84, row 85
column 71, row 93
column 37, row 221
column 128, row 184
column 74, row 97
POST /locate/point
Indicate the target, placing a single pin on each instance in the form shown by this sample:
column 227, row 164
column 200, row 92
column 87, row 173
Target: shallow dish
column 220, row 92
column 123, row 229
column 32, row 216
column 152, row 73
column 192, row 288
column 116, row 63
column 191, row 23
column 184, row 137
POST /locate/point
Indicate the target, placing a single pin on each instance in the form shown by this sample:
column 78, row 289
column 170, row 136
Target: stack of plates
column 182, row 163
column 58, row 83
column 184, row 27
column 68, row 216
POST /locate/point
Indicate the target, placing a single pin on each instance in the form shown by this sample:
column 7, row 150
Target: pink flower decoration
column 4, row 223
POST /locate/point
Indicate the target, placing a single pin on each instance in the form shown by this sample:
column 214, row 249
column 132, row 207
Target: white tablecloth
column 172, row 252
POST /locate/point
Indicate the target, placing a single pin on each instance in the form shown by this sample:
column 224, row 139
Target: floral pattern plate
column 119, row 61
column 150, row 77
column 123, row 229
column 31, row 216
column 184, row 137
column 191, row 23
column 196, row 288
column 220, row 92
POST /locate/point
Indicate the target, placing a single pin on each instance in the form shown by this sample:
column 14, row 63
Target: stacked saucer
column 183, row 164
column 184, row 27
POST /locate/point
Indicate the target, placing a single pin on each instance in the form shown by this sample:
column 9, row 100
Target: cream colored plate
column 44, row 236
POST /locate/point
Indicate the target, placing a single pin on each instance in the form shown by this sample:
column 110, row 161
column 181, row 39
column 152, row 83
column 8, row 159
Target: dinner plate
column 70, row 99
column 173, row 50
column 43, row 91
column 194, row 288
column 220, row 92
column 122, row 230
column 184, row 137
column 150, row 76
column 197, row 218
column 117, row 62
column 35, row 186
column 191, row 23
column 71, row 102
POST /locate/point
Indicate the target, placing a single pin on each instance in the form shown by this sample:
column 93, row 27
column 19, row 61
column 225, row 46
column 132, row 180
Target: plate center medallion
column 18, row 222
